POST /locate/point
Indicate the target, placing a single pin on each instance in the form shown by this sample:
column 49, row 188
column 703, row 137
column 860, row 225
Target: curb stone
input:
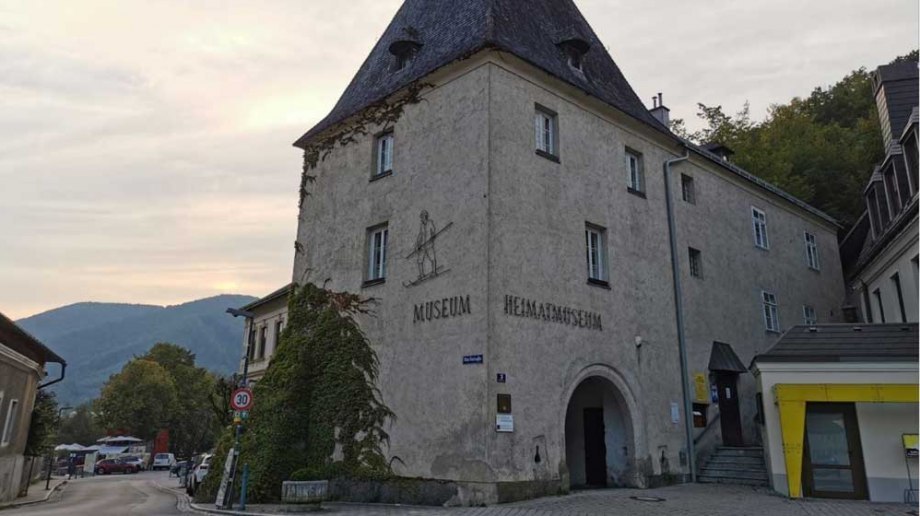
column 55, row 489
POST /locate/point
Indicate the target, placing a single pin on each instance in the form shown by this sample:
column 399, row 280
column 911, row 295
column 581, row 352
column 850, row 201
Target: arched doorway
column 599, row 436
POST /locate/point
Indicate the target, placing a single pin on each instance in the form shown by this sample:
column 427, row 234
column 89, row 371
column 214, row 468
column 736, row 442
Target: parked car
column 108, row 466
column 135, row 461
column 163, row 461
column 198, row 473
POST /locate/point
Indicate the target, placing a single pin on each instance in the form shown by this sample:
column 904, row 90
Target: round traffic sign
column 241, row 399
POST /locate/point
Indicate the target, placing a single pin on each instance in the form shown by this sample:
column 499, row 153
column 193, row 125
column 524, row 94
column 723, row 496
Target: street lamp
column 50, row 456
column 250, row 316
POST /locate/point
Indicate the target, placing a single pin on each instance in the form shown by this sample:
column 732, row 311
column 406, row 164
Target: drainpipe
column 679, row 314
column 52, row 382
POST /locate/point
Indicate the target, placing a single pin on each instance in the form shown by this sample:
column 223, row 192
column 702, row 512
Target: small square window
column 687, row 189
column 770, row 312
column 596, row 253
column 383, row 155
column 809, row 315
column 546, row 133
column 759, row 220
column 635, row 175
column 811, row 252
column 377, row 253
column 696, row 263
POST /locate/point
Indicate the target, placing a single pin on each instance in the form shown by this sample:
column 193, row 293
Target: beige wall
column 466, row 155
column 19, row 378
column 896, row 258
column 267, row 316
column 880, row 425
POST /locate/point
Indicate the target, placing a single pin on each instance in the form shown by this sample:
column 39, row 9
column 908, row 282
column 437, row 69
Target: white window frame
column 11, row 409
column 759, row 225
column 546, row 131
column 384, row 154
column 596, row 252
column 635, row 179
column 811, row 252
column 770, row 311
column 809, row 315
column 377, row 252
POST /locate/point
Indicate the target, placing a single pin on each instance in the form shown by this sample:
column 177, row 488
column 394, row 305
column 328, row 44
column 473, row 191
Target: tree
column 821, row 148
column 43, row 425
column 193, row 424
column 80, row 427
column 139, row 400
column 317, row 396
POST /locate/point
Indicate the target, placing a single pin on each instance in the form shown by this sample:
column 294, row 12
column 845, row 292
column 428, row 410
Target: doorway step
column 735, row 465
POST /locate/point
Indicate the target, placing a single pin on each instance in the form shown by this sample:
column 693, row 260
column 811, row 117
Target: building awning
column 112, row 450
column 723, row 359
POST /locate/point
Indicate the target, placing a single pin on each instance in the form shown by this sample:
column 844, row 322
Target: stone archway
column 599, row 436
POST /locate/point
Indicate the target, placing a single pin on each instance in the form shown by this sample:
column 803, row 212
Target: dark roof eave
column 281, row 292
column 45, row 351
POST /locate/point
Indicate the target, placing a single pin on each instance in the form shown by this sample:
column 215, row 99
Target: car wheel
column 100, row 471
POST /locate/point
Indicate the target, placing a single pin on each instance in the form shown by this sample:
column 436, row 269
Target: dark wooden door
column 729, row 409
column 595, row 448
column 833, row 460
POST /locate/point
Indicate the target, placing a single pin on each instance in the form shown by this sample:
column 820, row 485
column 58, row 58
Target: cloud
column 145, row 147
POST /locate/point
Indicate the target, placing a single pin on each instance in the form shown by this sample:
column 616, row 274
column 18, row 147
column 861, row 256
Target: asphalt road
column 106, row 495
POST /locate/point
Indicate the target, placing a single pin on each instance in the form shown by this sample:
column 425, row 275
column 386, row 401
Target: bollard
column 243, row 485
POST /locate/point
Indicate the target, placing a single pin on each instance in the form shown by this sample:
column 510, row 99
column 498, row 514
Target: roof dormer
column 574, row 50
column 404, row 52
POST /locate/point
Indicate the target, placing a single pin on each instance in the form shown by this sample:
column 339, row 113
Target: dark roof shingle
column 449, row 30
column 896, row 342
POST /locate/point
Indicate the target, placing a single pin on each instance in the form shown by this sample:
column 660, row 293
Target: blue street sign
column 501, row 377
column 472, row 359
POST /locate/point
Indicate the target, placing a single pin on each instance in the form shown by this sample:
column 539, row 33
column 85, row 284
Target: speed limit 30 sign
column 241, row 399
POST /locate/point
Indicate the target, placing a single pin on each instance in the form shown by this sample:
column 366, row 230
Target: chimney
column 895, row 96
column 661, row 113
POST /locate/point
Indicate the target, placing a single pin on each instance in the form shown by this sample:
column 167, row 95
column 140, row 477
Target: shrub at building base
column 317, row 399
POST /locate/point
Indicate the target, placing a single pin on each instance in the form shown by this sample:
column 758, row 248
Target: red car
column 107, row 466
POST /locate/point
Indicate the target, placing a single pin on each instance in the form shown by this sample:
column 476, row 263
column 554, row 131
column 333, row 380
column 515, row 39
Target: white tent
column 69, row 447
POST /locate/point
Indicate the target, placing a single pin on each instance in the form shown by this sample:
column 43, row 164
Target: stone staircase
column 735, row 465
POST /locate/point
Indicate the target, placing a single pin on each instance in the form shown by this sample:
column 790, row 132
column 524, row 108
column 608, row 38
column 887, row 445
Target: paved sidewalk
column 685, row 499
column 37, row 493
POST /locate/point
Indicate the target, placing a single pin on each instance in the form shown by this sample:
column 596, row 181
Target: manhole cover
column 647, row 498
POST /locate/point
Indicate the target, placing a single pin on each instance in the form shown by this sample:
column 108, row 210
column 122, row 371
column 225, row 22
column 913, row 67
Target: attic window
column 404, row 51
column 575, row 50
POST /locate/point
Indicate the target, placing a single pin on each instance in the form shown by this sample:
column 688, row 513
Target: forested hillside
column 820, row 148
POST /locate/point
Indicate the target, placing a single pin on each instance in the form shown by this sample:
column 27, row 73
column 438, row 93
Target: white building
column 262, row 332
column 838, row 403
column 880, row 253
column 541, row 248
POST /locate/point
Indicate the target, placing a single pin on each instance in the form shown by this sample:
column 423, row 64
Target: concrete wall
column 880, row 425
column 725, row 304
column 467, row 156
column 18, row 381
column 880, row 429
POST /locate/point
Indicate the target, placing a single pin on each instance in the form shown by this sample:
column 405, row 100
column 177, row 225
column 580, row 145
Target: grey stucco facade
column 516, row 243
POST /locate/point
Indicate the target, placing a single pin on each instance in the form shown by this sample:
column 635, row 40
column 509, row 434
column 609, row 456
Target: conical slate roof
column 448, row 30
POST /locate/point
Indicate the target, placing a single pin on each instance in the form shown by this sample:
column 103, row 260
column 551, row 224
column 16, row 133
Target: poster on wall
column 504, row 423
column 910, row 445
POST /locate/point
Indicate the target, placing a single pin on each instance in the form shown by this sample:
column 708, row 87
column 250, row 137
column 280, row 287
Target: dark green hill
column 97, row 339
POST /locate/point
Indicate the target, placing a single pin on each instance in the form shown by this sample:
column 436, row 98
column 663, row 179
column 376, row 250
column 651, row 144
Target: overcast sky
column 145, row 147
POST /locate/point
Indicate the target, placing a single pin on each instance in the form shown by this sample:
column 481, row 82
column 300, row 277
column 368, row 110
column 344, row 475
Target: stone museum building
column 567, row 293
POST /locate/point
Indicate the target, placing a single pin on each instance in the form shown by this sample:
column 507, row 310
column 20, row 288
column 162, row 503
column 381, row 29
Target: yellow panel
column 867, row 393
column 792, row 422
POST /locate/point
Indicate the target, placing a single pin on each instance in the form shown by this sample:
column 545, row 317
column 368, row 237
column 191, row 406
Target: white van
column 163, row 461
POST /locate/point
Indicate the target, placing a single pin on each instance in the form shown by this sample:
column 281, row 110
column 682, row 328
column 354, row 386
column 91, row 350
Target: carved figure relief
column 425, row 250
